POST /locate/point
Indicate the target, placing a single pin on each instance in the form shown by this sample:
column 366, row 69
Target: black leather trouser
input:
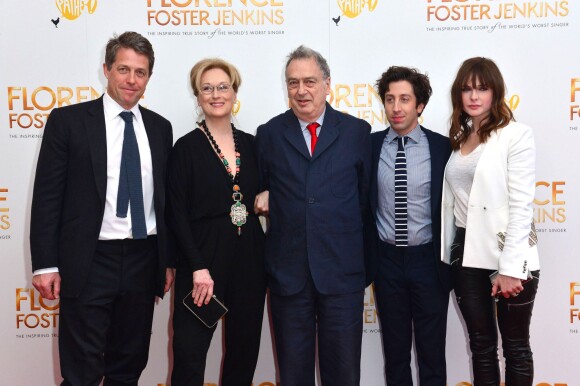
column 480, row 312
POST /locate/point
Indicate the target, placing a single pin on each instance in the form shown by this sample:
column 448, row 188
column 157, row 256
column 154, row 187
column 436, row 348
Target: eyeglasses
column 222, row 88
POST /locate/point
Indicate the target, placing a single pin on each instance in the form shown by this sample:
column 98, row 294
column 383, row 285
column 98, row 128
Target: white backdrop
column 52, row 54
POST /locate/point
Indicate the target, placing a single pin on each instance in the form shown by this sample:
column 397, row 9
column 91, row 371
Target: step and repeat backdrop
column 52, row 53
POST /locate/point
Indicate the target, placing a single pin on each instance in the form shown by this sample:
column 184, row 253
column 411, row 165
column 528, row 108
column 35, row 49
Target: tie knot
column 312, row 128
column 127, row 116
column 402, row 141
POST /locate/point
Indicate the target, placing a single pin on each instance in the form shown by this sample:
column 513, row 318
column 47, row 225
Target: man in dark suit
column 97, row 237
column 411, row 284
column 315, row 163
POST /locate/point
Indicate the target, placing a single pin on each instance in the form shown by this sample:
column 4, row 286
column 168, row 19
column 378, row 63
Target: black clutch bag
column 209, row 314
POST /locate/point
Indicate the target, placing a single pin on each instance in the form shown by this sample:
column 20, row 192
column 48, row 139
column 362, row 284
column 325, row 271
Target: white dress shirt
column 114, row 227
column 418, row 156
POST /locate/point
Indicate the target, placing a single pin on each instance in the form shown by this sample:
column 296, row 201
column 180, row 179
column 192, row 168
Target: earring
column 236, row 107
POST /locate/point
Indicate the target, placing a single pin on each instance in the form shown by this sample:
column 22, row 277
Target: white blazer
column 500, row 234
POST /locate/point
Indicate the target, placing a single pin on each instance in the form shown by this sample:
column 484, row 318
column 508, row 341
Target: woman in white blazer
column 488, row 234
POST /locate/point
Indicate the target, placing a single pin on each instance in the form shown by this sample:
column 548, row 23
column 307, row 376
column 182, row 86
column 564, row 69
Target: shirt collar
column 113, row 109
column 414, row 135
column 319, row 120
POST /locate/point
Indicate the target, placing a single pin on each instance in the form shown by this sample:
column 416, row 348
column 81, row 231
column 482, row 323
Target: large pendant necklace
column 238, row 211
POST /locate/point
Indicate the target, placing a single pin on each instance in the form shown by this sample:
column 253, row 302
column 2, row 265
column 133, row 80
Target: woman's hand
column 202, row 287
column 506, row 286
column 261, row 204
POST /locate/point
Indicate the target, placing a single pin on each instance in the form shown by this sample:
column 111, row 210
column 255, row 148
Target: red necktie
column 313, row 138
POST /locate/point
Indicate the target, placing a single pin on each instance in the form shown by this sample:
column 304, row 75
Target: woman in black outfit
column 219, row 250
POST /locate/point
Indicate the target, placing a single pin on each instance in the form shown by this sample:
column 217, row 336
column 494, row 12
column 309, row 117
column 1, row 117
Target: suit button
column 311, row 200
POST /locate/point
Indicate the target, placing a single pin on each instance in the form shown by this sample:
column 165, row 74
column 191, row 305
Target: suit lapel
column 437, row 168
column 155, row 141
column 328, row 133
column 97, row 138
column 377, row 144
column 293, row 134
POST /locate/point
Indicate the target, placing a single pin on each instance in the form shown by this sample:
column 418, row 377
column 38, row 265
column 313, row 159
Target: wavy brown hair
column 488, row 74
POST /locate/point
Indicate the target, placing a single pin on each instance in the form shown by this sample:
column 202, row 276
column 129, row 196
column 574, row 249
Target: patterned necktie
column 313, row 137
column 130, row 188
column 401, row 234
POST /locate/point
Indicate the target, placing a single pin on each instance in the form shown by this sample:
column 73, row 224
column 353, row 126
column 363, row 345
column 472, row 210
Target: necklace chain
column 236, row 178
column 238, row 212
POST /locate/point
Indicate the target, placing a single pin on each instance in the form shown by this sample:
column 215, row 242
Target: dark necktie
column 401, row 234
column 313, row 138
column 130, row 188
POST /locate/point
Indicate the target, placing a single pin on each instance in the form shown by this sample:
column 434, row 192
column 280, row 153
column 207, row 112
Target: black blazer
column 69, row 191
column 315, row 203
column 440, row 149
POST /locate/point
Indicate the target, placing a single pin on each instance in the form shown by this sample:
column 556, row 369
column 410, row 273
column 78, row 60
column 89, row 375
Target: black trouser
column 412, row 301
column 106, row 330
column 479, row 310
column 243, row 292
column 310, row 322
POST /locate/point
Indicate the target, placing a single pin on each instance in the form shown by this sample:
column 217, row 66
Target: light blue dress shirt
column 418, row 188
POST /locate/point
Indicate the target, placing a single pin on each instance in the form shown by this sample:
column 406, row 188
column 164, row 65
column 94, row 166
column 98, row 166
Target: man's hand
column 202, row 287
column 169, row 277
column 261, row 203
column 48, row 284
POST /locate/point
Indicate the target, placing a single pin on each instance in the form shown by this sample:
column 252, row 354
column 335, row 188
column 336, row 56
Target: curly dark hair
column 420, row 83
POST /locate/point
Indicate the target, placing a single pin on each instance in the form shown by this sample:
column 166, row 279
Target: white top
column 460, row 172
